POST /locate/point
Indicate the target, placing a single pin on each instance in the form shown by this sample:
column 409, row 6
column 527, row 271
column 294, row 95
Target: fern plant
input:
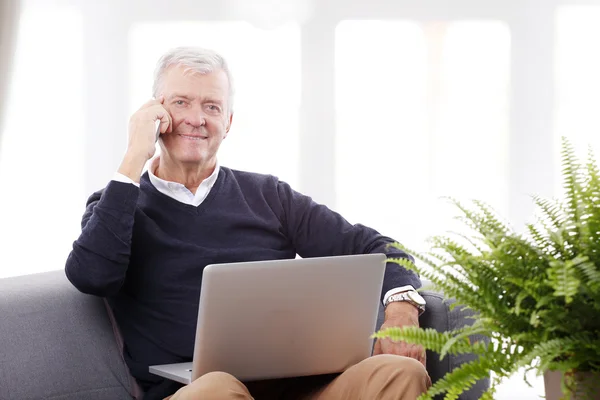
column 537, row 294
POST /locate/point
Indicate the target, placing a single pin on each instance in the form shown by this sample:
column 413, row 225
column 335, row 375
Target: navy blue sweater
column 145, row 252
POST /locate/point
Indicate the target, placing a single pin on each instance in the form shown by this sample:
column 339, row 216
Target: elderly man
column 147, row 236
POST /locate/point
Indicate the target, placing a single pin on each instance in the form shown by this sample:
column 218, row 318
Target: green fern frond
column 489, row 394
column 549, row 350
column 449, row 285
column 591, row 273
column 463, row 377
column 562, row 276
column 572, row 186
column 593, row 171
column 442, row 343
column 451, row 247
column 551, row 211
column 475, row 242
column 521, row 297
column 457, row 253
column 592, row 188
column 428, row 338
column 475, row 329
column 590, row 196
column 470, row 217
column 434, row 261
column 540, row 239
column 530, row 292
column 492, row 220
column 490, row 231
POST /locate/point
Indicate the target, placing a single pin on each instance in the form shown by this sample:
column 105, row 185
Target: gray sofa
column 57, row 343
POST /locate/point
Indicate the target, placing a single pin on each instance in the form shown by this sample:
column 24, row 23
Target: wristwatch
column 411, row 296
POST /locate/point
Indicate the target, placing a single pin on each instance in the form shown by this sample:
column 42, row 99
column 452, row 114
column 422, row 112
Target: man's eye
column 212, row 107
column 180, row 102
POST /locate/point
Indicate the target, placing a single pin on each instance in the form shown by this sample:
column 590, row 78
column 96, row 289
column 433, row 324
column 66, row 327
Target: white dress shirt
column 179, row 192
column 176, row 190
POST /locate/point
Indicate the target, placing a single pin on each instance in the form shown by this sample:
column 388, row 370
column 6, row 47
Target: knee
column 390, row 363
column 396, row 368
column 215, row 379
column 216, row 385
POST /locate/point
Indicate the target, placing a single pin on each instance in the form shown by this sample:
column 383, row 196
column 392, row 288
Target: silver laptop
column 284, row 318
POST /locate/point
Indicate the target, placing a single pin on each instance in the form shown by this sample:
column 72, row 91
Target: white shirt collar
column 178, row 191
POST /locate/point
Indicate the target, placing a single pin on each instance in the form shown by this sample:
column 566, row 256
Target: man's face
column 198, row 104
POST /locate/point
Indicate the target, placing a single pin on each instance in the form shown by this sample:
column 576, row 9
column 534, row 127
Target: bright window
column 266, row 70
column 380, row 95
column 41, row 160
column 422, row 112
column 577, row 79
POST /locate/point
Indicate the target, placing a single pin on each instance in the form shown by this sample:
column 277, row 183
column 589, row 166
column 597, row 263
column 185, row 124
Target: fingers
column 377, row 348
column 143, row 128
column 386, row 346
column 155, row 110
column 418, row 353
column 166, row 123
column 150, row 103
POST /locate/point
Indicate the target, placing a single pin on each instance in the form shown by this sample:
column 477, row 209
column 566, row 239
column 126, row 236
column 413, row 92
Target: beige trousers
column 384, row 377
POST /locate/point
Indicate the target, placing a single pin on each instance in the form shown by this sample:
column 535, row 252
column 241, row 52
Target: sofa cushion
column 57, row 343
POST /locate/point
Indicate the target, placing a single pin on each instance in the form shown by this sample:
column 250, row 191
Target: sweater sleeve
column 98, row 262
column 317, row 231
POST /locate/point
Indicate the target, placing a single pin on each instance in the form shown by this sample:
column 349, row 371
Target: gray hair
column 197, row 59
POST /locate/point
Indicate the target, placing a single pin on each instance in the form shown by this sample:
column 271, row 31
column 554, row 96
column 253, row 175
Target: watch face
column 416, row 297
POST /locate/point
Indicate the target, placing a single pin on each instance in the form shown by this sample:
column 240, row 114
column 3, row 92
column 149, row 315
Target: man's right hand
column 142, row 137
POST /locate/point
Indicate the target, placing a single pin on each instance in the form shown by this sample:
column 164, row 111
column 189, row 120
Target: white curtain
column 9, row 20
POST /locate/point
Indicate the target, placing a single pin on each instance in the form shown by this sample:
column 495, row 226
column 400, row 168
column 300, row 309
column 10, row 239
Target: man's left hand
column 399, row 314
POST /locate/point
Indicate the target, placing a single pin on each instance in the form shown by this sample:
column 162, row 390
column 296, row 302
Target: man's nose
column 196, row 118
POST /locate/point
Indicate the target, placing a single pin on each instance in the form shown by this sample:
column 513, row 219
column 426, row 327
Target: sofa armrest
column 439, row 317
column 57, row 342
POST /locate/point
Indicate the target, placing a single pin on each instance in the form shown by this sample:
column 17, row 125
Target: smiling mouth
column 190, row 137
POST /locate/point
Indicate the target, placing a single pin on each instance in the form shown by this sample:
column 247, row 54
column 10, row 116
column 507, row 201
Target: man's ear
column 228, row 125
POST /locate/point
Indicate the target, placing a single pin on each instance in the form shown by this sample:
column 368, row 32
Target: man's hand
column 142, row 137
column 398, row 314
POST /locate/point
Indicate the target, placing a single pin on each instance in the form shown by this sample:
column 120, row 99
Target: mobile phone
column 157, row 123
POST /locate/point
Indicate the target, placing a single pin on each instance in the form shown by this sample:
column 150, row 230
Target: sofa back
column 57, row 343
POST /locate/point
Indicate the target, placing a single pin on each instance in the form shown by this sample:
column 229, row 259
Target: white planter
column 587, row 381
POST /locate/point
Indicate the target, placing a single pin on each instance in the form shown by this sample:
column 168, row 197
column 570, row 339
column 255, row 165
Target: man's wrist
column 406, row 294
column 396, row 290
column 132, row 166
column 118, row 177
column 401, row 314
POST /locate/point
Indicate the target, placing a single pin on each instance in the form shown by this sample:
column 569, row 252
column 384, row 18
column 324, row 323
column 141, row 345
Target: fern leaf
column 431, row 339
column 551, row 211
column 562, row 277
column 475, row 329
column 546, row 351
column 591, row 274
column 540, row 239
column 519, row 300
column 489, row 394
column 572, row 186
column 449, row 285
column 492, row 220
column 462, row 378
column 472, row 241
